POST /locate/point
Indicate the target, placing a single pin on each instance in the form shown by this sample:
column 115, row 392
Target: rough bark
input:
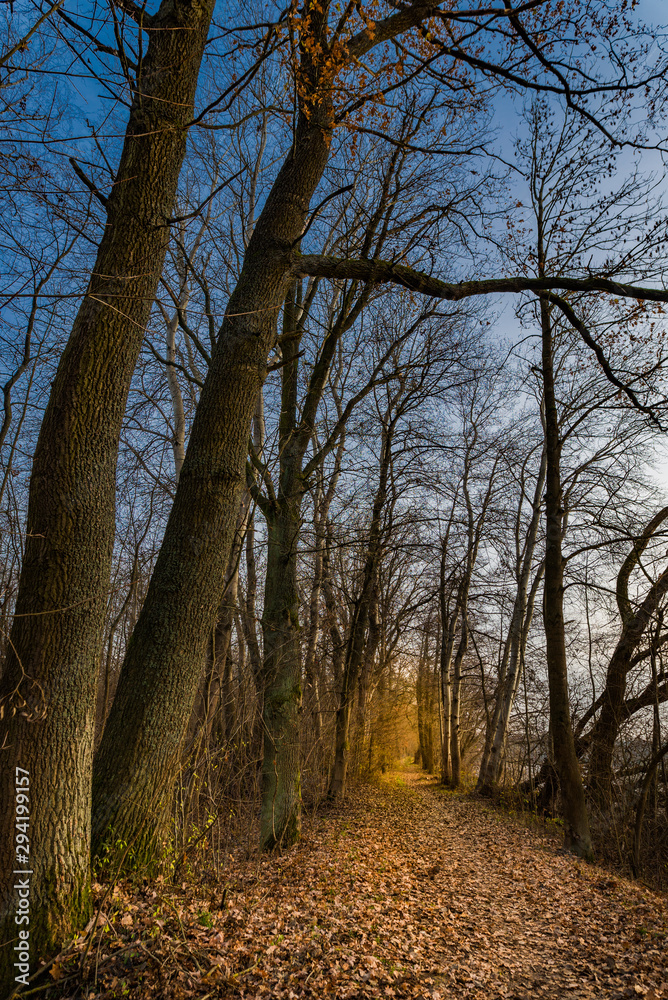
column 48, row 684
column 156, row 690
column 216, row 682
column 155, row 694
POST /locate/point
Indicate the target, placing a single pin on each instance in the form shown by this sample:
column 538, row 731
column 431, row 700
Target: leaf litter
column 407, row 891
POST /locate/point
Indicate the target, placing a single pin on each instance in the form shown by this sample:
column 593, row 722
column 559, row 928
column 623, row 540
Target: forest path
column 407, row 891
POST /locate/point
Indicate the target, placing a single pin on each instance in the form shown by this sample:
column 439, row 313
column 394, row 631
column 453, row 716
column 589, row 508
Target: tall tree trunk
column 280, row 817
column 281, row 670
column 363, row 721
column 474, row 534
column 331, row 604
column 48, row 684
column 322, row 503
column 215, row 685
column 145, row 729
column 517, row 639
column 248, row 612
column 360, row 617
column 420, row 697
column 445, row 660
column 483, row 785
column 455, row 707
column 178, row 441
column 351, row 669
column 425, row 700
column 281, row 800
column 311, row 672
column 576, row 821
column 518, row 632
column 431, row 690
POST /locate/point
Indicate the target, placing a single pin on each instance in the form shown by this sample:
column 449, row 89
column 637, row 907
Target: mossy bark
column 141, row 743
column 282, row 664
column 48, row 683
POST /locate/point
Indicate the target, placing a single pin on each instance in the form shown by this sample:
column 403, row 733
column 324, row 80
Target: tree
column 518, row 630
column 74, row 463
column 577, row 835
column 635, row 623
column 138, row 752
column 49, row 679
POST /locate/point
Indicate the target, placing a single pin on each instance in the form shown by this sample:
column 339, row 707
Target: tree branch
column 137, row 13
column 87, row 181
column 579, row 326
column 380, row 271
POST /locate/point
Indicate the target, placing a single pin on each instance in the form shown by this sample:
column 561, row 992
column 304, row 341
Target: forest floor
column 408, row 891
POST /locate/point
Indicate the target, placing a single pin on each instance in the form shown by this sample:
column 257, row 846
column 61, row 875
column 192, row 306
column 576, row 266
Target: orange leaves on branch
column 328, row 79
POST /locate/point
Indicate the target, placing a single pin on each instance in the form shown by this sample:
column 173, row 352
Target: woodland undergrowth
column 407, row 891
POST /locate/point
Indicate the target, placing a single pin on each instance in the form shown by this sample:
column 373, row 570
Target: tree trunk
column 248, row 613
column 311, row 672
column 178, row 413
column 657, row 758
column 363, row 721
column 322, row 503
column 518, row 633
column 517, row 639
column 634, row 625
column 445, row 658
column 50, row 673
column 576, row 821
column 420, row 697
column 360, row 618
column 281, row 669
column 483, row 784
column 351, row 671
column 455, row 745
column 331, row 604
column 215, row 683
column 145, row 729
column 425, row 705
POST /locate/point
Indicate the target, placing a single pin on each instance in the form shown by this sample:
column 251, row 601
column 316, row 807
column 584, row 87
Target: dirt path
column 408, row 892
